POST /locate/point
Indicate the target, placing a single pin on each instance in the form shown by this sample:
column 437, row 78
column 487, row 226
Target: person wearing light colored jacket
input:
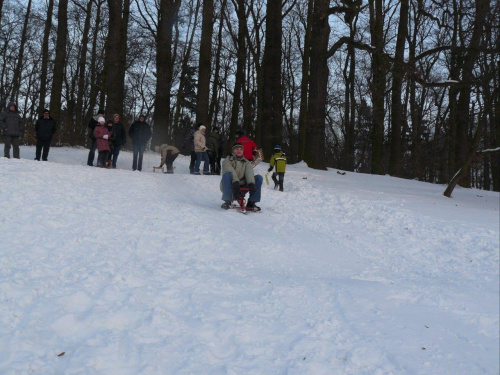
column 168, row 156
column 237, row 173
column 200, row 149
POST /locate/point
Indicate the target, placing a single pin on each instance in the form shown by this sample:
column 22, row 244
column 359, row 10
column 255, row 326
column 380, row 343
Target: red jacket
column 102, row 144
column 248, row 147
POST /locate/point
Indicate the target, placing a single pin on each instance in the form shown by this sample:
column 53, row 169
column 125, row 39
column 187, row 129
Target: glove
column 105, row 136
column 252, row 188
column 270, row 169
column 236, row 190
column 183, row 144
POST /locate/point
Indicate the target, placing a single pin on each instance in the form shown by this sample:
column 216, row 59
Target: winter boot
column 251, row 206
column 226, row 205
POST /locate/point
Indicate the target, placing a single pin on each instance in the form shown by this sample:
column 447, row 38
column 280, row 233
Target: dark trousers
column 93, row 147
column 193, row 160
column 217, row 162
column 42, row 145
column 212, row 160
column 115, row 151
column 278, row 183
column 11, row 142
column 102, row 159
column 138, row 154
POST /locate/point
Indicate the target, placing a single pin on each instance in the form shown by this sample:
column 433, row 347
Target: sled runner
column 240, row 204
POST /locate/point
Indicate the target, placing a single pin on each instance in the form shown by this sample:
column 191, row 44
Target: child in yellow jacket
column 278, row 161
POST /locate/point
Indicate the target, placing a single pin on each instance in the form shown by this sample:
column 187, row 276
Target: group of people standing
column 206, row 147
column 109, row 137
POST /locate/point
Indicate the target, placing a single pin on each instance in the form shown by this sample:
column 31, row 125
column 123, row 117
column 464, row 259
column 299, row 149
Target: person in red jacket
column 249, row 146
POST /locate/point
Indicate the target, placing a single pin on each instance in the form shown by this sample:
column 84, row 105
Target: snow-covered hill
column 143, row 273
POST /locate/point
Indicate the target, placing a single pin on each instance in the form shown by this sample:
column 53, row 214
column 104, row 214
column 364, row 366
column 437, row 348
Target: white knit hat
column 101, row 119
column 202, row 127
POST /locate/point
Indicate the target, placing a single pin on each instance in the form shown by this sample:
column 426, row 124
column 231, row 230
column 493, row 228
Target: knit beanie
column 237, row 145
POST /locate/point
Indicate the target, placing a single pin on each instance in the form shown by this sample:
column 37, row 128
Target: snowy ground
column 143, row 273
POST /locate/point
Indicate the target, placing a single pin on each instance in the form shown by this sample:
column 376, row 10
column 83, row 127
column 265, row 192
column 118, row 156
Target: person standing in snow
column 11, row 126
column 189, row 145
column 140, row 132
column 212, row 148
column 248, row 144
column 93, row 145
column 237, row 172
column 120, row 138
column 201, row 150
column 111, row 140
column 101, row 134
column 278, row 161
column 221, row 143
column 168, row 156
column 45, row 128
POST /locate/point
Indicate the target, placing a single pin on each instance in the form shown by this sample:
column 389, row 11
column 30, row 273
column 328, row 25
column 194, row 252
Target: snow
column 143, row 273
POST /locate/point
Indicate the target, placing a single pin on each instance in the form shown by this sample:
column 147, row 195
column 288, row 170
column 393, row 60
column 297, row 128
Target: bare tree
column 59, row 62
column 116, row 49
column 318, row 81
column 16, row 81
column 271, row 105
column 204, row 69
column 167, row 16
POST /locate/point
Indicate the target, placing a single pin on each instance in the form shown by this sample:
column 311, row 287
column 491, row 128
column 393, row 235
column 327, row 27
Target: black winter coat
column 119, row 133
column 189, row 140
column 91, row 126
column 140, row 132
column 45, row 128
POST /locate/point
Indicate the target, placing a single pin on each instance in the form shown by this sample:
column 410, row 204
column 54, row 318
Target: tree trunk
column 271, row 105
column 116, row 49
column 59, row 63
column 204, row 70
column 350, row 102
column 239, row 80
column 318, row 83
column 378, row 84
column 212, row 113
column 81, row 67
column 304, row 86
column 495, row 129
column 464, row 170
column 16, row 80
column 396, row 153
column 184, row 73
column 167, row 16
column 95, row 78
column 45, row 54
column 463, row 104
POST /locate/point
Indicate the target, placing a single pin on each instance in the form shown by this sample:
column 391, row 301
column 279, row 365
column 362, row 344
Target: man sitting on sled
column 237, row 173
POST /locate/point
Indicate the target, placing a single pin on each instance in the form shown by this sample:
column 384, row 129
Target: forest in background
column 408, row 88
